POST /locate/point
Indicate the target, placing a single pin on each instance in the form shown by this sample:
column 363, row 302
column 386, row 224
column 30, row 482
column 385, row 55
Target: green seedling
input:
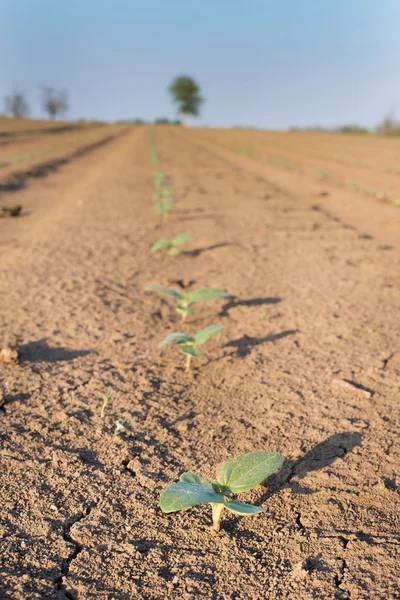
column 172, row 246
column 162, row 194
column 186, row 300
column 106, row 399
column 154, row 158
column 121, row 425
column 267, row 224
column 286, row 164
column 246, row 152
column 190, row 345
column 164, row 208
column 159, row 179
column 322, row 175
column 240, row 474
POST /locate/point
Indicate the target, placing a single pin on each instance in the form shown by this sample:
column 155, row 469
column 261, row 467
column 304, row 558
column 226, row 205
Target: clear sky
column 267, row 63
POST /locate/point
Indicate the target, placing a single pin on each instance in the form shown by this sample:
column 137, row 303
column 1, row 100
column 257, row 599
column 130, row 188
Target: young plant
column 164, row 208
column 163, row 193
column 190, row 345
column 121, row 425
column 186, row 300
column 154, row 159
column 106, row 399
column 159, row 179
column 240, row 474
column 172, row 246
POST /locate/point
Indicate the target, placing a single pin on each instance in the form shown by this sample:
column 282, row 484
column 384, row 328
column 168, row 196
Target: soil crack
column 76, row 550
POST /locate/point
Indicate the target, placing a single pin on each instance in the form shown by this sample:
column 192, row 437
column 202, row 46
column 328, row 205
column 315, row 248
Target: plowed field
column 308, row 365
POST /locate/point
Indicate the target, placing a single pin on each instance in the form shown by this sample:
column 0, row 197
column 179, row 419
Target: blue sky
column 267, row 63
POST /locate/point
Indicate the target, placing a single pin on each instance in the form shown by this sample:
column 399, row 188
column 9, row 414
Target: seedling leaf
column 196, row 479
column 245, row 472
column 162, row 289
column 205, row 334
column 191, row 350
column 240, row 508
column 181, row 238
column 159, row 179
column 185, row 494
column 122, row 425
column 178, row 338
column 240, row 474
column 204, row 294
column 161, row 245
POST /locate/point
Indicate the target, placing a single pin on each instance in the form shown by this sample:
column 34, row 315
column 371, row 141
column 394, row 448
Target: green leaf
column 206, row 294
column 240, row 508
column 164, row 207
column 175, row 337
column 168, row 204
column 165, row 192
column 181, row 238
column 196, row 479
column 159, row 208
column 205, row 334
column 159, row 178
column 185, row 494
column 173, row 251
column 191, row 350
column 245, row 472
column 160, row 245
column 162, row 289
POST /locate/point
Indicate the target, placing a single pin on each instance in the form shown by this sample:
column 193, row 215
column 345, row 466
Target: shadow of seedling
column 198, row 217
column 199, row 251
column 234, row 302
column 321, row 456
column 40, row 351
column 245, row 344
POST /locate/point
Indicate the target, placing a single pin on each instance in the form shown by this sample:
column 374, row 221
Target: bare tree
column 16, row 104
column 55, row 102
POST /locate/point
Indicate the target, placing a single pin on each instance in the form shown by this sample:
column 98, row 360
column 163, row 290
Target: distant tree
column 186, row 95
column 352, row 128
column 389, row 126
column 55, row 102
column 16, row 104
column 165, row 121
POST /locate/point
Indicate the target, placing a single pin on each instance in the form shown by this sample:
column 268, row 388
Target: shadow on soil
column 198, row 217
column 234, row 302
column 245, row 344
column 199, row 251
column 40, row 351
column 321, row 456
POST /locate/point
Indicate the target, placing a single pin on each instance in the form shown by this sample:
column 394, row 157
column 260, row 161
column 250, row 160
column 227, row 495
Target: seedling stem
column 216, row 514
column 106, row 399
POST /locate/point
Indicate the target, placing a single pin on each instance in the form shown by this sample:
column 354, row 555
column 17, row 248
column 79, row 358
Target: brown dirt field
column 308, row 365
column 8, row 125
column 21, row 155
column 365, row 165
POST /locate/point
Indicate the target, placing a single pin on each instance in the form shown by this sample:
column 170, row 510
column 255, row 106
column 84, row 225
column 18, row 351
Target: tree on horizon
column 186, row 95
